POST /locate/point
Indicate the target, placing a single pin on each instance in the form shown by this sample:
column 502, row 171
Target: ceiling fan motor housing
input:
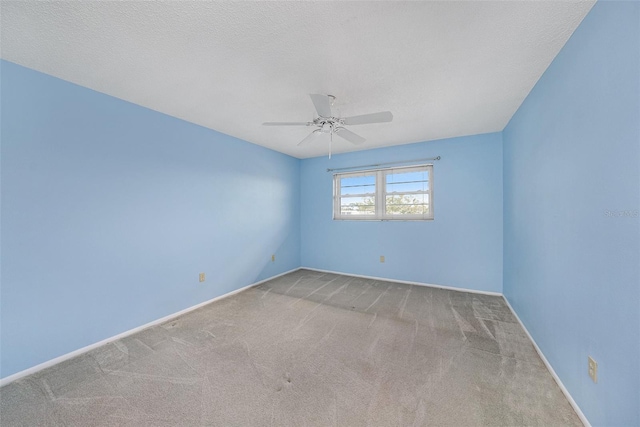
column 327, row 125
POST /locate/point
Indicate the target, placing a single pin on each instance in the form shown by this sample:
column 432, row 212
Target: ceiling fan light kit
column 327, row 123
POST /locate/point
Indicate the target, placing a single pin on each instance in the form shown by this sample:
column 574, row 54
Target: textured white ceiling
column 443, row 68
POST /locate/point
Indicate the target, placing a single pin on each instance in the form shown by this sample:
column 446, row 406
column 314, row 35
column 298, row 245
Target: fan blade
column 312, row 136
column 286, row 123
column 381, row 117
column 350, row 136
column 322, row 104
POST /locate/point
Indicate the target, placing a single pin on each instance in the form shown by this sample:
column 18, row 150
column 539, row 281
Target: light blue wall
column 110, row 211
column 462, row 247
column 571, row 270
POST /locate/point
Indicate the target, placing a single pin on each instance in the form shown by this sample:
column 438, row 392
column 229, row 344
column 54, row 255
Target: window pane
column 408, row 186
column 407, row 181
column 407, row 204
column 360, row 189
column 408, row 210
column 359, row 179
column 359, row 184
column 397, row 176
column 357, row 206
column 416, row 199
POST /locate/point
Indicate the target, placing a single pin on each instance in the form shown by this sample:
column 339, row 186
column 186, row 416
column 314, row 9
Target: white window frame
column 380, row 195
column 337, row 213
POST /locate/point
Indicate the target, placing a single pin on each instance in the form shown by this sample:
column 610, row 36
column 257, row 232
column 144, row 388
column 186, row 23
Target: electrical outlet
column 593, row 369
column 273, row 258
column 201, row 277
column 381, row 258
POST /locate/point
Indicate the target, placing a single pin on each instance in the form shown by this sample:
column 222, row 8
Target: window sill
column 384, row 219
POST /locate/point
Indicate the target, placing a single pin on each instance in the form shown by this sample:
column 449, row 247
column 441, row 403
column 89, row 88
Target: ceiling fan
column 327, row 123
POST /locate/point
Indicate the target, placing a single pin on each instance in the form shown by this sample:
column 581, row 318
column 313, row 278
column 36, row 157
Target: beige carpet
column 308, row 349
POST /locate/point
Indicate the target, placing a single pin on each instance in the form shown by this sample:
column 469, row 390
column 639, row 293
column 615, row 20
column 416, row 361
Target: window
column 384, row 194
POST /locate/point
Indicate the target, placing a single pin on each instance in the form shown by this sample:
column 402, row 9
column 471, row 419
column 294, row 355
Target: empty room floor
column 307, row 348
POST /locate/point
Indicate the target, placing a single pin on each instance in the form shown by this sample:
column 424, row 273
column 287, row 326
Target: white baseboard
column 449, row 288
column 564, row 390
column 49, row 363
